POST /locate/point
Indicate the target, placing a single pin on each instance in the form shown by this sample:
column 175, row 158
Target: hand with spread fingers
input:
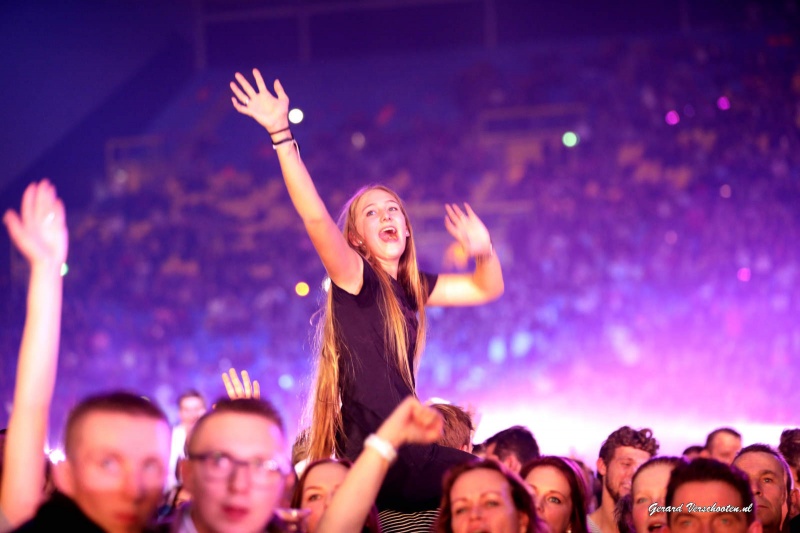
column 270, row 111
column 238, row 389
column 39, row 231
column 468, row 230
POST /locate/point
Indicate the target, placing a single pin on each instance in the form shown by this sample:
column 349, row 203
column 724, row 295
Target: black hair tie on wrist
column 282, row 141
column 279, row 131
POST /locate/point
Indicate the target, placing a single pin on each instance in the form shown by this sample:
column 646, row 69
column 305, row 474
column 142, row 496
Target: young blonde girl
column 372, row 332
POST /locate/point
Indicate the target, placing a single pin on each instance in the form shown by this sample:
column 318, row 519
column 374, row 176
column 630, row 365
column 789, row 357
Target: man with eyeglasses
column 236, row 468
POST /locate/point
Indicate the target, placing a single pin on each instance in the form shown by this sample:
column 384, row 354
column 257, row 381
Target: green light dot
column 64, row 269
column 569, row 139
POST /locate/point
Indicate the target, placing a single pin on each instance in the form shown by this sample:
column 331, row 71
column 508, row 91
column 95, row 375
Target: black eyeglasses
column 220, row 465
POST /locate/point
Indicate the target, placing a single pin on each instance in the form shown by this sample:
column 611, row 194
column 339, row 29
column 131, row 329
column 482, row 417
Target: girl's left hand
column 468, row 230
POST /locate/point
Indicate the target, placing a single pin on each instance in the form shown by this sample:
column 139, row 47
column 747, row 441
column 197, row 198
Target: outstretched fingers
column 279, row 90
column 233, row 386
column 262, row 87
column 450, row 227
column 38, row 231
column 44, row 203
column 248, row 389
column 239, row 107
column 27, row 208
column 458, row 213
column 246, row 87
column 238, row 389
column 229, row 390
column 454, row 220
column 470, row 213
column 14, row 226
column 240, row 96
column 269, row 110
column 59, row 213
column 451, row 214
column 40, row 197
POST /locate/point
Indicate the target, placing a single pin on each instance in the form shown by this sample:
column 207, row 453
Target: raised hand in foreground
column 410, row 423
column 237, row 389
column 39, row 232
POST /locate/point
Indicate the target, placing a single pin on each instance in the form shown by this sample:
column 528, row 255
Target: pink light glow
column 743, row 274
column 723, row 103
column 672, row 118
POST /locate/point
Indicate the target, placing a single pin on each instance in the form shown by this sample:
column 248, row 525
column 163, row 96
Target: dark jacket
column 59, row 513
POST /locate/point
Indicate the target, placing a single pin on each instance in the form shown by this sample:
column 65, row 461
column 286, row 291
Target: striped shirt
column 398, row 522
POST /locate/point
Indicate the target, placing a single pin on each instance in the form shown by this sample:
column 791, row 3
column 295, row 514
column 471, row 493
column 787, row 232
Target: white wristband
column 383, row 447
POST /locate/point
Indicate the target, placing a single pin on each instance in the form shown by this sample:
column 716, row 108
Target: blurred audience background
column 641, row 188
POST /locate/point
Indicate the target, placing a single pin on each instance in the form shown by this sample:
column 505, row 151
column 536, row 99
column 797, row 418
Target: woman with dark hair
column 484, row 495
column 316, row 487
column 559, row 492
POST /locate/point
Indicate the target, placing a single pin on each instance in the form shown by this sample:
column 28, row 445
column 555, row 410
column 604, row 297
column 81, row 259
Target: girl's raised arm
column 486, row 281
column 342, row 263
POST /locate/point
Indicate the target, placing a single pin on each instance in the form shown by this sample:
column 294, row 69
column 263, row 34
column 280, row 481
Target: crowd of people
column 648, row 247
column 657, row 251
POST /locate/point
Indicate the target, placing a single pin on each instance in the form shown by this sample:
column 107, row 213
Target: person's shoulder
column 369, row 270
column 59, row 513
column 172, row 522
column 453, row 456
column 161, row 527
column 369, row 281
column 794, row 524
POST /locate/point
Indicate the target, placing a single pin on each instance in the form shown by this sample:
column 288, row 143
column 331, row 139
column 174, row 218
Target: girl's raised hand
column 468, row 230
column 270, row 111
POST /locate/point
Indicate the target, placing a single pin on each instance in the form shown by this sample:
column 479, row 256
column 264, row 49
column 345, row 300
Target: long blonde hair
column 324, row 403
